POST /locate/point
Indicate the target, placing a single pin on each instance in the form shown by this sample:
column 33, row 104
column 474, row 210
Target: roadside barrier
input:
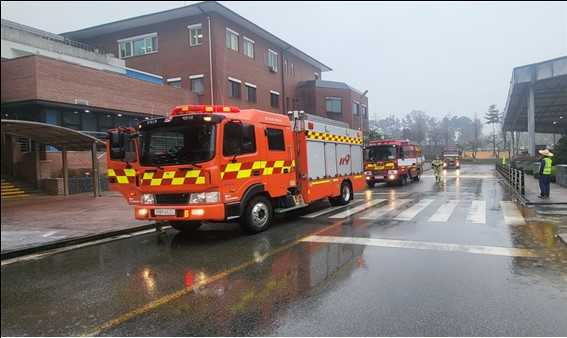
column 514, row 177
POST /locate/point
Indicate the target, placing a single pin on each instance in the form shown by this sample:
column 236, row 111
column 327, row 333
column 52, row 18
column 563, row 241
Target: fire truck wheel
column 344, row 197
column 370, row 184
column 403, row 180
column 185, row 226
column 416, row 177
column 257, row 215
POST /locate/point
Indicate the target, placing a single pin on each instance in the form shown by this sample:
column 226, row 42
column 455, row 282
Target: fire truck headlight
column 212, row 197
column 197, row 198
column 148, row 199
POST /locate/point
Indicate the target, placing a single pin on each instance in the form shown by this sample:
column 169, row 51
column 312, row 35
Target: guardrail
column 514, row 177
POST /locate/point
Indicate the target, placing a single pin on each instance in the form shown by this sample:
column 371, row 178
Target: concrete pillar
column 531, row 116
column 65, row 172
column 95, row 173
column 37, row 165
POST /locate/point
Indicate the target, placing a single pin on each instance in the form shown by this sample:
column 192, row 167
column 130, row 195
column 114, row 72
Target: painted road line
column 324, row 211
column 412, row 211
column 393, row 243
column 357, row 209
column 392, row 205
column 462, row 176
column 444, row 212
column 512, row 215
column 477, row 212
column 47, row 234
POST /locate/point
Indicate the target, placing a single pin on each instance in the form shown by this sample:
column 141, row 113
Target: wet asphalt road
column 422, row 260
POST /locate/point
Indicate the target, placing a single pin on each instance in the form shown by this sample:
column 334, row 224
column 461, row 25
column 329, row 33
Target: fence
column 515, row 177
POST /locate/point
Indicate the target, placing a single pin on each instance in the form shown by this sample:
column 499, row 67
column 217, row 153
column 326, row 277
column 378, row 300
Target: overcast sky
column 437, row 57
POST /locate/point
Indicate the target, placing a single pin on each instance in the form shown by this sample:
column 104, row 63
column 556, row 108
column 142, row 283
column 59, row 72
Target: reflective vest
column 547, row 166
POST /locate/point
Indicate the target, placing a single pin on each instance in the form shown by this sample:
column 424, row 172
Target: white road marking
column 324, row 211
column 359, row 208
column 392, row 205
column 47, row 234
column 512, row 215
column 412, row 211
column 393, row 243
column 444, row 212
column 462, row 176
column 477, row 212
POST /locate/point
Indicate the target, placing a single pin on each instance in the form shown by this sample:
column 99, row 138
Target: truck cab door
column 123, row 164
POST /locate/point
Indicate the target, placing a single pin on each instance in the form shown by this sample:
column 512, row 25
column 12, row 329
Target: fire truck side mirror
column 117, row 141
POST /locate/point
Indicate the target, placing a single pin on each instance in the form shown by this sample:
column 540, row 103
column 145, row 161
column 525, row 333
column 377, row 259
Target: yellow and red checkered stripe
column 233, row 171
column 316, row 135
column 121, row 176
column 174, row 177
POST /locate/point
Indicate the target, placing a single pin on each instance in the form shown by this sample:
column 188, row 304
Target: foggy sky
column 437, row 57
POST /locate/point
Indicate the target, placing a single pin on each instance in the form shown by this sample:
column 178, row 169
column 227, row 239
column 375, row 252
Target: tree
column 560, row 151
column 492, row 117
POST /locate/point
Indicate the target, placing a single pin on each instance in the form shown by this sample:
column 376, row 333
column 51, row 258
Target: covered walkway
column 62, row 138
column 537, row 101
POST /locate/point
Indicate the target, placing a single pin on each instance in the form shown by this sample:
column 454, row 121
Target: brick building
column 223, row 58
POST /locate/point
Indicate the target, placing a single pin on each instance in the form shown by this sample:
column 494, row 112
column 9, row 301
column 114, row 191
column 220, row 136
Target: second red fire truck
column 218, row 163
column 392, row 161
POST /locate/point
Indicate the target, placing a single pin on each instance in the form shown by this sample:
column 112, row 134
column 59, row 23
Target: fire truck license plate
column 164, row 212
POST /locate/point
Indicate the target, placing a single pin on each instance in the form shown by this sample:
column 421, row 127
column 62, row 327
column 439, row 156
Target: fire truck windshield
column 381, row 153
column 187, row 143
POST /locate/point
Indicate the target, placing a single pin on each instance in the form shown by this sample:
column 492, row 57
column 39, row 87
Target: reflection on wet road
column 424, row 259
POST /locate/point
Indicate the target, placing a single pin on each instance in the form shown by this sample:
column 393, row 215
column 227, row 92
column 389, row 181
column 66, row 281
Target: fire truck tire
column 345, row 196
column 371, row 184
column 403, row 181
column 185, row 226
column 258, row 215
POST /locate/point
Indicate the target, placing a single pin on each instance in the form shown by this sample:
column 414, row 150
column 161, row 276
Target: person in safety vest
column 545, row 172
column 437, row 165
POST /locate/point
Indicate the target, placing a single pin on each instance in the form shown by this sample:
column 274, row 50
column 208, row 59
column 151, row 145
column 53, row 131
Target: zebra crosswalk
column 428, row 209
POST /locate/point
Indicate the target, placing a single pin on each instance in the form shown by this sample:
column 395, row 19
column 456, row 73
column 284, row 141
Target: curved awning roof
column 49, row 134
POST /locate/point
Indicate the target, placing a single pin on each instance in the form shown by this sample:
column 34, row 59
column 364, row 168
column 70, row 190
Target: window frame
column 247, row 40
column 200, row 77
column 336, row 98
column 356, row 111
column 248, row 87
column 275, row 58
column 192, row 28
column 228, row 43
column 130, row 41
column 174, row 82
column 272, row 94
column 243, row 127
column 268, row 130
column 232, row 81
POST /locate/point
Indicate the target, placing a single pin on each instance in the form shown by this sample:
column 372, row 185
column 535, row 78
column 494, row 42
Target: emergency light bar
column 192, row 108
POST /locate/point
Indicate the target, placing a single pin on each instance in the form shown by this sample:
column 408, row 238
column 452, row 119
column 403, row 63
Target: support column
column 531, row 116
column 37, row 165
column 65, row 172
column 95, row 173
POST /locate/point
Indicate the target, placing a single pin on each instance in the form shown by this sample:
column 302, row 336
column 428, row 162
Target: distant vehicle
column 392, row 161
column 218, row 163
column 451, row 157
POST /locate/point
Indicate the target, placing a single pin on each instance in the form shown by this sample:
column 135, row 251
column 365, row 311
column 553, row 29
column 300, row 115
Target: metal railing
column 515, row 177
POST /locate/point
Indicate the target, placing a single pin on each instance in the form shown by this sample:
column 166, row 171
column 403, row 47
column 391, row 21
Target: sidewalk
column 40, row 220
column 558, row 194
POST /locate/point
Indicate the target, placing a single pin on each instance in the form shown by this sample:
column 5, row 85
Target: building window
column 355, row 108
column 197, row 84
column 234, row 88
column 195, row 34
column 272, row 60
column 238, row 139
column 138, row 45
column 250, row 92
column 174, row 82
column 105, row 122
column 274, row 99
column 364, row 111
column 275, row 139
column 24, row 144
column 232, row 39
column 248, row 47
column 71, row 119
column 334, row 104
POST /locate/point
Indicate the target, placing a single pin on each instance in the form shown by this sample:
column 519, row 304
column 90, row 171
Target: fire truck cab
column 218, row 163
column 393, row 162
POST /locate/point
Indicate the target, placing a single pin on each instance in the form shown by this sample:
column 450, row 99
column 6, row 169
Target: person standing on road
column 436, row 165
column 545, row 173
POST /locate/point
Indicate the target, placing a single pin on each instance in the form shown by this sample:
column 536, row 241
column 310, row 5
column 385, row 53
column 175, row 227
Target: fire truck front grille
column 172, row 199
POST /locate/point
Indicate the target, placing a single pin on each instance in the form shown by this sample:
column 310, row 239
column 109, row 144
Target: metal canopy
column 49, row 134
column 548, row 80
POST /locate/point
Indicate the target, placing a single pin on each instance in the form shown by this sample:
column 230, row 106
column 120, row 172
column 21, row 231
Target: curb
column 563, row 238
column 71, row 241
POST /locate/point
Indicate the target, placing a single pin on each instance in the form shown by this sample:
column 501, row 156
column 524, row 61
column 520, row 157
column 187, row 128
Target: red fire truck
column 218, row 163
column 392, row 161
